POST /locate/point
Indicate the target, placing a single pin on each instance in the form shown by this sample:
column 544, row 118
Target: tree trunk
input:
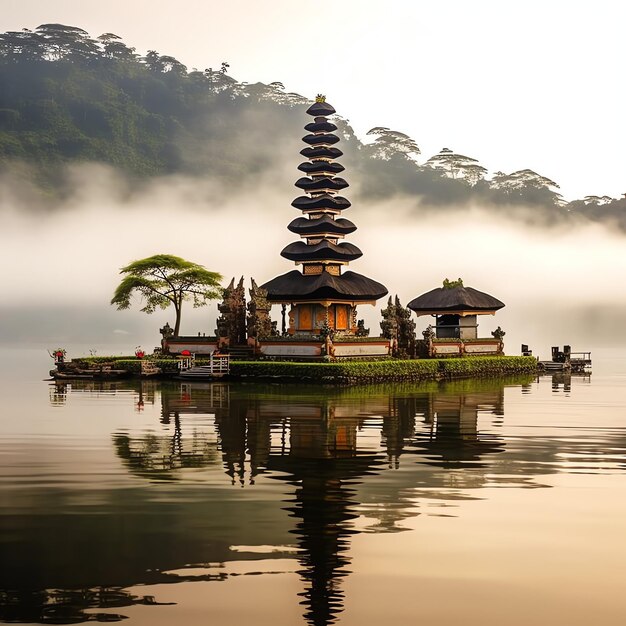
column 177, row 323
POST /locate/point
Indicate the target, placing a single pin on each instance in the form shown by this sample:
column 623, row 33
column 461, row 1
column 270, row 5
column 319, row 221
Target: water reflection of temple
column 325, row 445
column 453, row 439
column 329, row 449
column 320, row 460
column 311, row 444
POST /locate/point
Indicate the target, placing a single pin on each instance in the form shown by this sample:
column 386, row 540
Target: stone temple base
column 318, row 348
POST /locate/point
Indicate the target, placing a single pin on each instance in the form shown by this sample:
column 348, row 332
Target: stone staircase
column 241, row 353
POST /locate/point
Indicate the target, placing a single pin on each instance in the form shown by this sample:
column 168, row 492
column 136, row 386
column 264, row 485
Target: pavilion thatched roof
column 295, row 286
column 455, row 300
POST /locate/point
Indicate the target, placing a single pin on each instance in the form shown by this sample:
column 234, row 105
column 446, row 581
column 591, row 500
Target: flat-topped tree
column 163, row 280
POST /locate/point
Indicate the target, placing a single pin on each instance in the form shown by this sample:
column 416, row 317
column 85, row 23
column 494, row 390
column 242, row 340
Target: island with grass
column 321, row 338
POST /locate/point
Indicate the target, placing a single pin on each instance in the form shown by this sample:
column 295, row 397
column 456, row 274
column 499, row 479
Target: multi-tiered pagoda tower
column 322, row 293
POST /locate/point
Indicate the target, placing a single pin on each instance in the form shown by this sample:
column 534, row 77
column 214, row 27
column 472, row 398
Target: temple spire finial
column 320, row 98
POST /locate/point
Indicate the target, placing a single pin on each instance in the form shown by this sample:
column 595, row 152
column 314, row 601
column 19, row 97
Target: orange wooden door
column 305, row 318
column 342, row 316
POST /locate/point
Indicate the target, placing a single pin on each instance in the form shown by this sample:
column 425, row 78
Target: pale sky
column 533, row 84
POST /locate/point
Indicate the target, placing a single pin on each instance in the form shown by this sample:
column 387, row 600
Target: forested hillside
column 68, row 98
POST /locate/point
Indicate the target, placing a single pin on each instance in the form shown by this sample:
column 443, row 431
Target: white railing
column 186, row 362
column 149, row 368
column 220, row 364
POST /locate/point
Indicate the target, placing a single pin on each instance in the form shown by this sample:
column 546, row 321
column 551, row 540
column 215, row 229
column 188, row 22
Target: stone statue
column 429, row 333
column 167, row 331
column 398, row 326
column 231, row 324
column 259, row 324
column 498, row 333
column 361, row 331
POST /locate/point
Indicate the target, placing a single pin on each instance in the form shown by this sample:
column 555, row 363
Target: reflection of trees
column 157, row 456
column 65, row 559
column 67, row 606
column 452, row 440
column 432, row 438
column 398, row 426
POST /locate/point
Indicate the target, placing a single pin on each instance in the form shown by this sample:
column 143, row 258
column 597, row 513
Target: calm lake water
column 470, row 502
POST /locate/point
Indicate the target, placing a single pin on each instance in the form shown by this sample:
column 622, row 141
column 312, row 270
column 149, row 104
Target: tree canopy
column 70, row 98
column 519, row 183
column 457, row 166
column 163, row 280
column 389, row 143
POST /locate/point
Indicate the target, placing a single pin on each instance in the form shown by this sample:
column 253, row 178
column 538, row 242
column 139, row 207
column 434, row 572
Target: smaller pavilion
column 456, row 309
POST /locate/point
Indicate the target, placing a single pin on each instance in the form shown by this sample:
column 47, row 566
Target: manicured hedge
column 99, row 360
column 486, row 366
column 130, row 363
column 389, row 370
column 338, row 372
column 167, row 366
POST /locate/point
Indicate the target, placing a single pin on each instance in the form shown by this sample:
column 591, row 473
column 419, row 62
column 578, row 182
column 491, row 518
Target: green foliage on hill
column 67, row 98
column 71, row 99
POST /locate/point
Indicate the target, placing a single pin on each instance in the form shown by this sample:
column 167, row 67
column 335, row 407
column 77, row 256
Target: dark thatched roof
column 321, row 225
column 295, row 286
column 322, row 251
column 326, row 138
column 319, row 184
column 321, row 109
column 449, row 300
column 323, row 201
column 321, row 167
column 321, row 152
column 322, row 125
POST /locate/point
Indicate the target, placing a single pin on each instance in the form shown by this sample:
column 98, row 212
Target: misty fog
column 560, row 284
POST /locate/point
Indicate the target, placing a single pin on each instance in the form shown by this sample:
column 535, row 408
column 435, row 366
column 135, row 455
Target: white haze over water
column 560, row 284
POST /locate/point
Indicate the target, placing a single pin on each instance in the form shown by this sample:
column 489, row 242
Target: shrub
column 388, row 370
column 486, row 366
column 97, row 360
column 340, row 372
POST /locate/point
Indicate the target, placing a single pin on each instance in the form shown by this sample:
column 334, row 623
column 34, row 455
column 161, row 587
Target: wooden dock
column 566, row 361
